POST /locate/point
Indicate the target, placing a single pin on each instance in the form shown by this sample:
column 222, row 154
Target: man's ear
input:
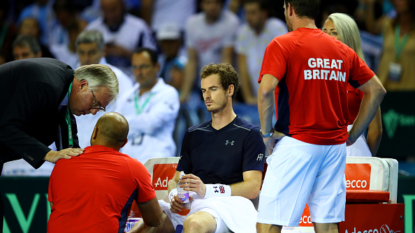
column 290, row 9
column 231, row 90
column 158, row 66
column 82, row 84
column 104, row 51
column 95, row 133
column 126, row 140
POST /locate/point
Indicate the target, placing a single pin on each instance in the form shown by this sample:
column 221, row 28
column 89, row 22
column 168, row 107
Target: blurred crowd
column 235, row 31
column 189, row 34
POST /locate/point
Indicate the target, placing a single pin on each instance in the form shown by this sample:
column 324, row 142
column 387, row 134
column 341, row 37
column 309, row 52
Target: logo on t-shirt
column 228, row 142
column 260, row 157
column 325, row 69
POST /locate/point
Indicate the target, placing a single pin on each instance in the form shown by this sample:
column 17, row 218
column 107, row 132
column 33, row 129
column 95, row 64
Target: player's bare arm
column 249, row 188
column 266, row 109
column 374, row 93
column 374, row 133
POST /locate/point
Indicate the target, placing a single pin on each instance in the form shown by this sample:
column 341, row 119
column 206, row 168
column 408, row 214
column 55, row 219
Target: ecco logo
column 305, row 219
column 356, row 183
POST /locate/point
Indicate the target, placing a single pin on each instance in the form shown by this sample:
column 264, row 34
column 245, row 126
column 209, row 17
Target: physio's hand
column 193, row 183
column 271, row 141
column 54, row 156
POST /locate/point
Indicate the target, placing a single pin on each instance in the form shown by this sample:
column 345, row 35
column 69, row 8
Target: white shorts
column 300, row 173
column 178, row 220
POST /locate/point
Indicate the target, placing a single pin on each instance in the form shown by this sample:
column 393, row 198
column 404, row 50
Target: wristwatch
column 267, row 135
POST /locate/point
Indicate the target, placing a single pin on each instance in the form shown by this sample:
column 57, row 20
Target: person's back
column 313, row 85
column 19, row 89
column 94, row 192
column 308, row 144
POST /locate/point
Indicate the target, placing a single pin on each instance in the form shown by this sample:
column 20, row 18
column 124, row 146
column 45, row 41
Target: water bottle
column 184, row 196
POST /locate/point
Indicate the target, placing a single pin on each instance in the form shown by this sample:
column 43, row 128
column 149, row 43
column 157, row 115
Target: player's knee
column 193, row 224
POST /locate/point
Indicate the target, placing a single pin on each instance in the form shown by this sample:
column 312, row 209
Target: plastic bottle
column 184, row 196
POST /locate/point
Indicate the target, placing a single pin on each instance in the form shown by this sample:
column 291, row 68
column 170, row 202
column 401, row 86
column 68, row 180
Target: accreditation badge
column 395, row 72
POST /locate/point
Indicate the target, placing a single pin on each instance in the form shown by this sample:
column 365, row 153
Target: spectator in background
column 159, row 12
column 335, row 8
column 151, row 108
column 30, row 26
column 26, row 47
column 7, row 34
column 102, row 185
column 90, row 48
column 369, row 15
column 210, row 37
column 42, row 11
column 172, row 63
column 344, row 28
column 70, row 26
column 396, row 69
column 123, row 33
column 253, row 38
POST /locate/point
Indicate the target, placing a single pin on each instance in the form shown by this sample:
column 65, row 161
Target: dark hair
column 411, row 9
column 64, row 5
column 263, row 4
column 153, row 54
column 336, row 8
column 305, row 8
column 222, row 1
column 226, row 72
column 26, row 40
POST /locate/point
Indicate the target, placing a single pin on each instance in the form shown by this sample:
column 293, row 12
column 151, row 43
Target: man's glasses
column 97, row 105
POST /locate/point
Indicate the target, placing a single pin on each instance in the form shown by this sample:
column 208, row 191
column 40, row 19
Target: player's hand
column 193, row 183
column 54, row 156
column 351, row 140
column 176, row 204
column 271, row 141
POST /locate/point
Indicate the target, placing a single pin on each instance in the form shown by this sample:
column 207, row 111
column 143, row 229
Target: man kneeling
column 93, row 192
column 223, row 160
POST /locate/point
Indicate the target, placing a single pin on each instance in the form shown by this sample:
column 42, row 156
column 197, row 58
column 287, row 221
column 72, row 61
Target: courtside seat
column 368, row 180
column 162, row 170
column 371, row 179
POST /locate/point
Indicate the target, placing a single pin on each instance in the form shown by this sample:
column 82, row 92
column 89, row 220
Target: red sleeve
column 275, row 61
column 143, row 180
column 360, row 73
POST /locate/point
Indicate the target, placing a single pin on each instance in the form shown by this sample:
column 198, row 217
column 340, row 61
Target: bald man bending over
column 94, row 192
